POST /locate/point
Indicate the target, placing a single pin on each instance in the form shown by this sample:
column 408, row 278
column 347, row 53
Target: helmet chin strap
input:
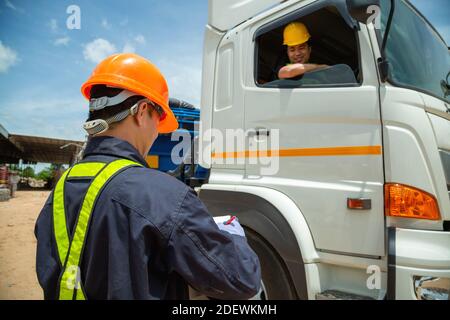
column 97, row 126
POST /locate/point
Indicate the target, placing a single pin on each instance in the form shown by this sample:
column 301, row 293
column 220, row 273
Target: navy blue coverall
column 149, row 237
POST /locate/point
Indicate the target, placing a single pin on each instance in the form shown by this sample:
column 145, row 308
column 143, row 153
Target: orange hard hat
column 134, row 73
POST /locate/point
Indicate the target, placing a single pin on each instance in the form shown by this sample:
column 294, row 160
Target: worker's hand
column 234, row 227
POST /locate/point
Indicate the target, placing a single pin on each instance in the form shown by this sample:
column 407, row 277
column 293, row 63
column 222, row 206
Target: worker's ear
column 141, row 113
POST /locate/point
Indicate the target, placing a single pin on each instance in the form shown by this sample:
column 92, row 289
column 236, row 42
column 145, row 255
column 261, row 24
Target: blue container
column 187, row 117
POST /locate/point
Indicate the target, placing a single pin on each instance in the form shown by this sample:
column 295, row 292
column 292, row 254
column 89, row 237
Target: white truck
column 342, row 181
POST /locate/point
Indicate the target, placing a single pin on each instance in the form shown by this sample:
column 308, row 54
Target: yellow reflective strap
column 87, row 169
column 71, row 275
column 80, row 295
column 59, row 219
column 65, row 292
column 70, row 287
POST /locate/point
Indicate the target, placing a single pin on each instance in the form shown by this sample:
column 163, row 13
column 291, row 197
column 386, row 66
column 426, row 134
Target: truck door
column 228, row 106
column 329, row 128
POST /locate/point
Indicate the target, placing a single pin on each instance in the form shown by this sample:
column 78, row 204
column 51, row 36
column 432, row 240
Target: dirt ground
column 18, row 245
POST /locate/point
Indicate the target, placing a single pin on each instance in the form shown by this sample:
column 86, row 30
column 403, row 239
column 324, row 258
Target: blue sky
column 438, row 13
column 43, row 64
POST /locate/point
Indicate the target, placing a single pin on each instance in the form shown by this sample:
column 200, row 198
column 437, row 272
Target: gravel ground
column 18, row 245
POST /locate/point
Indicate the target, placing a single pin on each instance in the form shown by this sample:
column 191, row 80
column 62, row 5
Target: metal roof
column 36, row 149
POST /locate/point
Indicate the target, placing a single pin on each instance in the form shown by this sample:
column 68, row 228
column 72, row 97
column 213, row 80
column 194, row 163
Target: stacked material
column 3, row 175
column 32, row 182
column 5, row 193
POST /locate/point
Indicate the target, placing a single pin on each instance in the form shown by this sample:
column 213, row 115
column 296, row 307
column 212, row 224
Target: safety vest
column 70, row 250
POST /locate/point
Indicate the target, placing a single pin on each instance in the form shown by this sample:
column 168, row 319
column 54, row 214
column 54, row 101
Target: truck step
column 340, row 295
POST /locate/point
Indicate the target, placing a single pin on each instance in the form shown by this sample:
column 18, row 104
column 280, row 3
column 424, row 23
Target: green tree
column 45, row 174
column 28, row 172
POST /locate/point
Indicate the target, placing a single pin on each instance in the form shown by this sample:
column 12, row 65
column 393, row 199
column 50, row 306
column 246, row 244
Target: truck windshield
column 418, row 57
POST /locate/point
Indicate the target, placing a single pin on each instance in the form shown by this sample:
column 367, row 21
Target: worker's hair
column 101, row 90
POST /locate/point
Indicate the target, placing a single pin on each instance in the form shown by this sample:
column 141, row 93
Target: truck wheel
column 276, row 282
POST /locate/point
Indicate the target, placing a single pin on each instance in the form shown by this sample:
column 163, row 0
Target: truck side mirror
column 363, row 10
column 445, row 85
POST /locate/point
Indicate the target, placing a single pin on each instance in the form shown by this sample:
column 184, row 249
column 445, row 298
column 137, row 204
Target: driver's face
column 299, row 53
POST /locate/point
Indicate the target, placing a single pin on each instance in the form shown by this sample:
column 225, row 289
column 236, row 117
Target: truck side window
column 333, row 56
column 418, row 58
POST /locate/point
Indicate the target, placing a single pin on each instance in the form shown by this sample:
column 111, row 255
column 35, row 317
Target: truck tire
column 276, row 281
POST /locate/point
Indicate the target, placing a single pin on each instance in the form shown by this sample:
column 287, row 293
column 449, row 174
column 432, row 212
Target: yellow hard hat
column 295, row 33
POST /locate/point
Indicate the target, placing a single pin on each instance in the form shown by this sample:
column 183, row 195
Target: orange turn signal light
column 409, row 202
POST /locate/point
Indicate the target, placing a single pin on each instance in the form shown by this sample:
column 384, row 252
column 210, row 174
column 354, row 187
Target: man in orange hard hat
column 296, row 37
column 115, row 229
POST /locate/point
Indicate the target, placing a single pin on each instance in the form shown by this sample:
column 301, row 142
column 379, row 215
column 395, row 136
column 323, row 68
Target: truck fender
column 273, row 216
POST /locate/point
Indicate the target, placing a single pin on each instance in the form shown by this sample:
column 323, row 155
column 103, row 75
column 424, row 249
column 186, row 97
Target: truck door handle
column 258, row 132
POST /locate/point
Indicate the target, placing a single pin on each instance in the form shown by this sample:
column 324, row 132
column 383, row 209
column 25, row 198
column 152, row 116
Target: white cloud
column 8, row 58
column 129, row 48
column 53, row 24
column 64, row 41
column 55, row 115
column 183, row 78
column 106, row 24
column 124, row 22
column 98, row 49
column 140, row 39
column 10, row 5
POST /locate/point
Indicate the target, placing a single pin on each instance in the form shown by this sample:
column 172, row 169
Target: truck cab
column 341, row 179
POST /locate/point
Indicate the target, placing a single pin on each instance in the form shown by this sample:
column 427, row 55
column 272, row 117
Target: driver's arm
column 297, row 69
